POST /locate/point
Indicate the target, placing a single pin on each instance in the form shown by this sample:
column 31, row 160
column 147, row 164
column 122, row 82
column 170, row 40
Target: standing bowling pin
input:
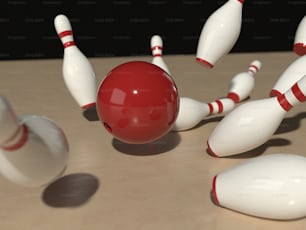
column 191, row 111
column 78, row 73
column 243, row 83
column 157, row 52
column 299, row 46
column 252, row 124
column 33, row 149
column 291, row 75
column 271, row 187
column 220, row 33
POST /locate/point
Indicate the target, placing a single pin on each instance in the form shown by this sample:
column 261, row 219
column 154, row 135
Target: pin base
column 210, row 151
column 213, row 191
column 204, row 63
column 299, row 49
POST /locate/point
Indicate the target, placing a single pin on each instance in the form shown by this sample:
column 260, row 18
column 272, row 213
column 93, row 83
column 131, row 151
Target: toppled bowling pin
column 219, row 33
column 272, row 187
column 242, row 84
column 251, row 124
column 33, row 149
column 191, row 111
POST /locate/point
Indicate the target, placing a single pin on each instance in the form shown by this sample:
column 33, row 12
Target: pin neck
column 298, row 94
column 67, row 44
column 64, row 34
column 157, row 48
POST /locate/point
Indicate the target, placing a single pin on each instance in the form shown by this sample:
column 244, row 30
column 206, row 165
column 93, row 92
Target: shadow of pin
column 209, row 119
column 259, row 150
column 91, row 114
column 162, row 145
column 290, row 124
column 72, row 190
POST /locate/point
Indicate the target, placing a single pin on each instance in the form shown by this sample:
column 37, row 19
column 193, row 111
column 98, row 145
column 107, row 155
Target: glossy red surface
column 137, row 102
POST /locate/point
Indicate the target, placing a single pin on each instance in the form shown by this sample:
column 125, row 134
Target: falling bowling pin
column 219, row 33
column 271, row 187
column 33, row 149
column 251, row 124
column 299, row 46
column 78, row 73
column 191, row 111
column 157, row 52
column 290, row 76
column 243, row 83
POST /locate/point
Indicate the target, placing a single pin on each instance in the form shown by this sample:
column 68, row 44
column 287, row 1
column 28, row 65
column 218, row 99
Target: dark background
column 124, row 27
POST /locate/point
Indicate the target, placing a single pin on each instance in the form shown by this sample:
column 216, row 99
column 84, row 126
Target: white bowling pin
column 242, row 84
column 33, row 149
column 252, row 123
column 78, row 73
column 191, row 111
column 157, row 52
column 290, row 76
column 271, row 187
column 219, row 33
column 299, row 46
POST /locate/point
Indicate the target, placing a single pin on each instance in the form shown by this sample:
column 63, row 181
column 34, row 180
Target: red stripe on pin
column 255, row 67
column 204, row 63
column 90, row 105
column 275, row 92
column 157, row 47
column 298, row 93
column 220, row 106
column 211, row 108
column 65, row 33
column 299, row 49
column 284, row 102
column 20, row 142
column 210, row 151
column 213, row 192
column 234, row 97
column 67, row 44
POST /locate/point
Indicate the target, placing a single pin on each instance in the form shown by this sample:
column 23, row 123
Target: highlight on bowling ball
column 137, row 102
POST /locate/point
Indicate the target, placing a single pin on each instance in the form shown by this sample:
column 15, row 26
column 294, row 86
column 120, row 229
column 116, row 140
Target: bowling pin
column 299, row 46
column 270, row 187
column 191, row 111
column 219, row 33
column 290, row 76
column 242, row 84
column 252, row 123
column 78, row 73
column 33, row 149
column 157, row 52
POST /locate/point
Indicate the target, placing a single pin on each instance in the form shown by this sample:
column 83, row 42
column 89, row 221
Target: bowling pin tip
column 299, row 49
column 213, row 191
column 256, row 64
column 210, row 151
column 205, row 63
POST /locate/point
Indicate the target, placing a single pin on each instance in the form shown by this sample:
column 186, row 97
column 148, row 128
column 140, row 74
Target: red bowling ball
column 137, row 102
